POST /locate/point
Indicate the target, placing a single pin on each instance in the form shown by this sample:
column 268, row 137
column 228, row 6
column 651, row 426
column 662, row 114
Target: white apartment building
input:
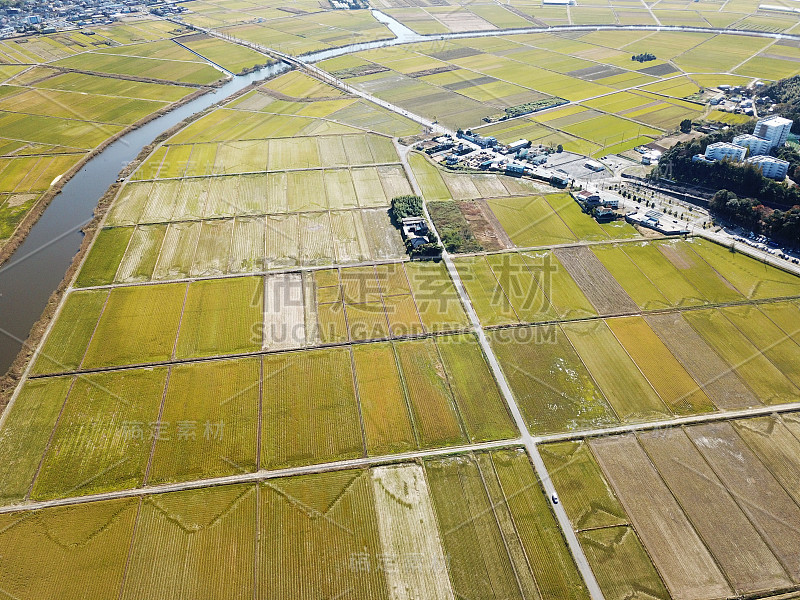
column 720, row 150
column 772, row 167
column 756, row 145
column 775, row 129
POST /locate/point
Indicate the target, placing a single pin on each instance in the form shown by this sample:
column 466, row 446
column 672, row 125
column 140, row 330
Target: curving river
column 37, row 267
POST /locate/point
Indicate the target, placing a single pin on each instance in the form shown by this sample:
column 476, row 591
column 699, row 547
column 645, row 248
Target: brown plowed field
column 771, row 510
column 677, row 551
column 595, row 281
column 740, row 551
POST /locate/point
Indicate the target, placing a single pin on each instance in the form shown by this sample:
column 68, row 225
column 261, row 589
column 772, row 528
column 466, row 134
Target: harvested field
column 408, row 527
column 737, row 547
column 621, row 565
column 603, row 291
column 210, row 421
column 679, row 391
column 486, row 293
column 755, row 490
column 284, row 324
column 182, row 538
column 550, row 383
column 722, row 385
column 588, row 499
column 687, row 568
column 628, row 392
column 100, row 443
column 319, row 535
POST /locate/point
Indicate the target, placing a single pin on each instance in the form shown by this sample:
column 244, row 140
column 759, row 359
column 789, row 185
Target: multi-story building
column 770, row 166
column 775, row 129
column 756, row 145
column 721, row 150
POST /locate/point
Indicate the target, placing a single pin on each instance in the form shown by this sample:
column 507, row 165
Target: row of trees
column 644, row 57
column 780, row 225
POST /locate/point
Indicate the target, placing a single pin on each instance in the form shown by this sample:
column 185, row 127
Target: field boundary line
column 263, row 475
column 720, row 415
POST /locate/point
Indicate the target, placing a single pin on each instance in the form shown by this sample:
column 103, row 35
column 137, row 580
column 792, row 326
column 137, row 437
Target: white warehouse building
column 721, row 150
column 756, row 145
column 774, row 168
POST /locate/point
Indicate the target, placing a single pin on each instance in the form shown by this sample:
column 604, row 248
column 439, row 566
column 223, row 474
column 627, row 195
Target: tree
column 686, row 125
column 559, row 148
column 406, row 206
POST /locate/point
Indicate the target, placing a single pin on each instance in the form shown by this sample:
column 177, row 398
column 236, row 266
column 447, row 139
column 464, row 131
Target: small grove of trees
column 686, row 125
column 644, row 57
column 779, row 225
column 405, row 206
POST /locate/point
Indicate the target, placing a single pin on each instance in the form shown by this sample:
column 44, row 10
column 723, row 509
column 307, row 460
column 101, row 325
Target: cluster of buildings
column 49, row 17
column 770, row 132
column 602, row 207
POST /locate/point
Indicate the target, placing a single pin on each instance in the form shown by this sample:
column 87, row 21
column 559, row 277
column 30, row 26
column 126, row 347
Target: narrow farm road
column 527, row 440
